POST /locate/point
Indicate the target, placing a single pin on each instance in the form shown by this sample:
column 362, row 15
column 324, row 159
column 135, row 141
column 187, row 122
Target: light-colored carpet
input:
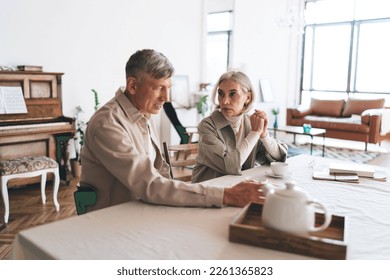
column 358, row 156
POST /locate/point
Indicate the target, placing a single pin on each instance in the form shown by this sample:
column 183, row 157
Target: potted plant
column 275, row 112
column 78, row 141
column 201, row 104
column 79, row 135
column 96, row 96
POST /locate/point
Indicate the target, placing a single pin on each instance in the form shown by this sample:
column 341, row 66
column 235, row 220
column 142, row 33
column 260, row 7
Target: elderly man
column 121, row 157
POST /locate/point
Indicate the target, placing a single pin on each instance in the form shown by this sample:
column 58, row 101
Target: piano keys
column 43, row 130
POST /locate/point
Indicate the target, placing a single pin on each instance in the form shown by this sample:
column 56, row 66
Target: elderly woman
column 229, row 139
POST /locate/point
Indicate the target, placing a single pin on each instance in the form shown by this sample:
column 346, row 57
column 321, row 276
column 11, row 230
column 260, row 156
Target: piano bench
column 26, row 167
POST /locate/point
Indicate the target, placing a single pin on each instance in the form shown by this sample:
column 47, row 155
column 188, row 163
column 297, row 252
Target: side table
column 295, row 130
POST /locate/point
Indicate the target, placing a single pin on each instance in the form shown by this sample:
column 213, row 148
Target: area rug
column 358, row 156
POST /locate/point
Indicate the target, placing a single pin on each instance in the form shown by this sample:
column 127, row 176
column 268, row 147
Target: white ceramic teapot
column 290, row 209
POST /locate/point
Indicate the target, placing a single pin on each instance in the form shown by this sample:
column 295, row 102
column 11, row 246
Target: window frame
column 228, row 32
column 353, row 58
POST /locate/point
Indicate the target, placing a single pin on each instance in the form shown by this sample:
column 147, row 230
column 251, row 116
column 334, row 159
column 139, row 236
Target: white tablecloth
column 140, row 231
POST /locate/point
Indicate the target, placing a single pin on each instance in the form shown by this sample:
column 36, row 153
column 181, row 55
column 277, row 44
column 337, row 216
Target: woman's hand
column 259, row 122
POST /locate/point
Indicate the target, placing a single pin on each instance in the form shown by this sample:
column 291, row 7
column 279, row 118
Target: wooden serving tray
column 247, row 228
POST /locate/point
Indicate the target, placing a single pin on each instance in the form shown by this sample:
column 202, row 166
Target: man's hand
column 243, row 193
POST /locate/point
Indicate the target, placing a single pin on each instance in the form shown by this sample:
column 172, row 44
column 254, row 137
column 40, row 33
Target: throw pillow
column 357, row 106
column 326, row 107
column 301, row 112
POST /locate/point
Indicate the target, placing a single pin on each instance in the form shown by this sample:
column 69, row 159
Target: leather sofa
column 352, row 119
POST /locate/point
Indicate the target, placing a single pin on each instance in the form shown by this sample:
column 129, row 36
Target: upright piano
column 43, row 130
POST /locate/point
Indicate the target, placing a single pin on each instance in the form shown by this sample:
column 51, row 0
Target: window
column 346, row 49
column 219, row 32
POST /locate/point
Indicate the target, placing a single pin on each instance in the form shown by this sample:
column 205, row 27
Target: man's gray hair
column 243, row 80
column 149, row 62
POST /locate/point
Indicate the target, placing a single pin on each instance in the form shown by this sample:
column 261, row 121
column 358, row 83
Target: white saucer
column 257, row 179
column 271, row 174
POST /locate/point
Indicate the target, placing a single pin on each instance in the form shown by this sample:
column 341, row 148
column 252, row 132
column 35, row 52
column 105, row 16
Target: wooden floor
column 26, row 209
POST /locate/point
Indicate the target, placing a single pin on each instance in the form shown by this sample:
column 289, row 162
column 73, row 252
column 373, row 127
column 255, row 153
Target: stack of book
column 361, row 170
column 348, row 172
column 30, row 68
column 323, row 175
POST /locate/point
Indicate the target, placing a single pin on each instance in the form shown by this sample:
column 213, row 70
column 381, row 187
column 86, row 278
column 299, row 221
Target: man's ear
column 131, row 85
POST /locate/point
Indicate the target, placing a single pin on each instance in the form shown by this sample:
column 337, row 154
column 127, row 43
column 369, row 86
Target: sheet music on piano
column 12, row 100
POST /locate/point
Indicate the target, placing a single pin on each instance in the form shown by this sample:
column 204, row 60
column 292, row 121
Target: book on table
column 342, row 177
column 361, row 170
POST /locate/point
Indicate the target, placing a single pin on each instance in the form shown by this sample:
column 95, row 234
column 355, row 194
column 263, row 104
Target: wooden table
column 299, row 130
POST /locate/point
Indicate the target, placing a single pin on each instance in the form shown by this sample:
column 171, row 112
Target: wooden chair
column 181, row 159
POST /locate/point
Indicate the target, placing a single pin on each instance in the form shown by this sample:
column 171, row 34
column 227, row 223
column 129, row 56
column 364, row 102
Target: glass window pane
column 217, row 54
column 373, row 96
column 373, row 57
column 219, row 22
column 310, row 12
column 329, row 11
column 329, row 95
column 331, row 57
column 369, row 9
column 305, row 99
column 308, row 95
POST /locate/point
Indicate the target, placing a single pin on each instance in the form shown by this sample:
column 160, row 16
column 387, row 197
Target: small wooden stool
column 28, row 167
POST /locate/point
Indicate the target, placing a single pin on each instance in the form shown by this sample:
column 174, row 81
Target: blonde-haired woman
column 229, row 139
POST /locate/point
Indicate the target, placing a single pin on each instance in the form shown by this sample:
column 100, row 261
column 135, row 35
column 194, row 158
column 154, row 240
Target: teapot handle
column 327, row 220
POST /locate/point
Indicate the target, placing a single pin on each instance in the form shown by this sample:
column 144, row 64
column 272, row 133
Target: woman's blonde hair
column 244, row 82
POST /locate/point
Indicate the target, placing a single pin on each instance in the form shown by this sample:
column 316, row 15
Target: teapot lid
column 292, row 191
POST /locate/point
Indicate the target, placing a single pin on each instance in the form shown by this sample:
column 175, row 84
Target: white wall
column 265, row 48
column 90, row 41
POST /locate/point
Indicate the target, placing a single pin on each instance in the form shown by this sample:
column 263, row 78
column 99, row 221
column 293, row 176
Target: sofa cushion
column 326, row 107
column 300, row 112
column 352, row 124
column 357, row 106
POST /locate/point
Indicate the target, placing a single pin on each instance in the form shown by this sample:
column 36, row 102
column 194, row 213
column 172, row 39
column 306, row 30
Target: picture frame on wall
column 265, row 91
column 180, row 91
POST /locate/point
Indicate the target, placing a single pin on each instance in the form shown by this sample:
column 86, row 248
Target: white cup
column 279, row 168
